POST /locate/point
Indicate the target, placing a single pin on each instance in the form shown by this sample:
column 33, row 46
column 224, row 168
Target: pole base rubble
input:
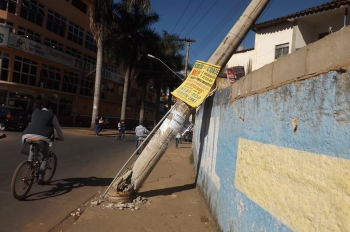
column 122, row 191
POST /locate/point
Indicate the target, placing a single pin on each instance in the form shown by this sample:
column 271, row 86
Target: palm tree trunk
column 125, row 92
column 97, row 90
column 142, row 109
column 142, row 112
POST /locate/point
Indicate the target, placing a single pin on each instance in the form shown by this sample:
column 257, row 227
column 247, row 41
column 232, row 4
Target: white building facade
column 279, row 37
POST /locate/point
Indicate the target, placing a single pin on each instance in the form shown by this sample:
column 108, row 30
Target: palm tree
column 168, row 49
column 128, row 36
column 100, row 12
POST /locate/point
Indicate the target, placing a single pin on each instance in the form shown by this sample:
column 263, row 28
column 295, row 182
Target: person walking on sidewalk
column 177, row 139
column 140, row 130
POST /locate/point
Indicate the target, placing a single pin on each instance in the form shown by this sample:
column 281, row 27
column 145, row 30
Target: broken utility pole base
column 131, row 181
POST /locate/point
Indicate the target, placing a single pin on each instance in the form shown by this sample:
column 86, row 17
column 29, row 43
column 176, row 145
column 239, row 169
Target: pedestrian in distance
column 118, row 135
column 177, row 139
column 140, row 131
column 98, row 125
column 122, row 130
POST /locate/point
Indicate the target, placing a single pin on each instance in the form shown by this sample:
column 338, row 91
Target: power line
column 191, row 17
column 219, row 26
column 181, row 17
column 202, row 17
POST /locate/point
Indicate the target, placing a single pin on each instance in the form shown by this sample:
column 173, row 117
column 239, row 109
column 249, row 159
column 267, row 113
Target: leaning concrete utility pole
column 180, row 113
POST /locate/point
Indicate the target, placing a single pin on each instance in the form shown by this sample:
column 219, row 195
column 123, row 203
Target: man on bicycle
column 41, row 129
column 140, row 130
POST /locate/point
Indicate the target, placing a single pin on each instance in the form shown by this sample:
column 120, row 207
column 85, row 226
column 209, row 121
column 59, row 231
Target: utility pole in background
column 180, row 113
column 188, row 41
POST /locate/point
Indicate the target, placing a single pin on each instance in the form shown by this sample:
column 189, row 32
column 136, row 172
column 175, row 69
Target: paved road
column 86, row 164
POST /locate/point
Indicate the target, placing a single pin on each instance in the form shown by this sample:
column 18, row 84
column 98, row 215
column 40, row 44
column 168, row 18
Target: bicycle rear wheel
column 51, row 165
column 22, row 180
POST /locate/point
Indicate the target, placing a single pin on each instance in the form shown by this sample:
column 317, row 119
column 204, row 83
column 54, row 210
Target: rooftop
column 335, row 4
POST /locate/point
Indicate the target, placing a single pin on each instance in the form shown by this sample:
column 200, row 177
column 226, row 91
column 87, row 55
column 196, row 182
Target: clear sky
column 208, row 21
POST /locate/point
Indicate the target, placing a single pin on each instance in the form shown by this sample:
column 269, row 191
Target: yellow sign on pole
column 198, row 83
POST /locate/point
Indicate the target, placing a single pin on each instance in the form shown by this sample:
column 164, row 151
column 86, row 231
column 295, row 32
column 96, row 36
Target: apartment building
column 47, row 52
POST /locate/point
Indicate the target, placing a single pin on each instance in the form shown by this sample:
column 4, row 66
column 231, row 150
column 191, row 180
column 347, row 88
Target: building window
column 31, row 34
column 89, row 59
column 281, row 50
column 65, row 106
column 79, row 5
column 73, row 52
column 9, row 6
column 6, row 23
column 86, row 87
column 53, row 44
column 24, row 71
column 32, row 11
column 75, row 33
column 70, row 82
column 56, row 23
column 50, row 77
column 90, row 42
column 4, row 62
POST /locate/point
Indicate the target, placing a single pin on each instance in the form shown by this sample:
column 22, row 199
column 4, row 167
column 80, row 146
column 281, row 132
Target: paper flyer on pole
column 198, row 83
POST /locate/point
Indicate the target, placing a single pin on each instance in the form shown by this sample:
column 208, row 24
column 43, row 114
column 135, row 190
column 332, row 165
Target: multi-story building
column 47, row 52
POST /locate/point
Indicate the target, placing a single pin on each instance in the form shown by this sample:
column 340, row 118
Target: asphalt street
column 86, row 164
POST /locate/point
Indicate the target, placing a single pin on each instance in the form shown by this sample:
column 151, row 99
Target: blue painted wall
column 322, row 106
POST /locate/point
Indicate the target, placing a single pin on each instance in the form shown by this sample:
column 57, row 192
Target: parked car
column 11, row 117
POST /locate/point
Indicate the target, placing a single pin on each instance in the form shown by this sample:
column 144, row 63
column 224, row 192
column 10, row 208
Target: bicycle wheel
column 22, row 180
column 51, row 165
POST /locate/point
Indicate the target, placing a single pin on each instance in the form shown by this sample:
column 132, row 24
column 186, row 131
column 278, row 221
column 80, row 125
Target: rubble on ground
column 134, row 205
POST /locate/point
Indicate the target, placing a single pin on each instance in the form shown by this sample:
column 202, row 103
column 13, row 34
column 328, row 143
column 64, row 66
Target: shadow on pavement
column 167, row 191
column 63, row 186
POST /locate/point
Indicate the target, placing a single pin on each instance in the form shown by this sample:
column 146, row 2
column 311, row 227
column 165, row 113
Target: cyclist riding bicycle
column 41, row 129
column 140, row 130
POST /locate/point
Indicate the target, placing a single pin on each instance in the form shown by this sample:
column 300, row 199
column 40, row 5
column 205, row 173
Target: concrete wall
column 272, row 151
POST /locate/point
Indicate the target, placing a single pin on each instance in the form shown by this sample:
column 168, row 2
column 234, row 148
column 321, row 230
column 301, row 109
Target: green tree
column 167, row 49
column 128, row 35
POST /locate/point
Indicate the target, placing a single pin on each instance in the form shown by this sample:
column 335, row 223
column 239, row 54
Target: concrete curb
column 84, row 130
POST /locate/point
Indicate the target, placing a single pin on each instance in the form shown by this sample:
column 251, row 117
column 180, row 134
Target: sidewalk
column 173, row 202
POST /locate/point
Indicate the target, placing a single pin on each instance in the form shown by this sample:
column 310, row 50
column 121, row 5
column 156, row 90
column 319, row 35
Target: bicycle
column 143, row 142
column 27, row 172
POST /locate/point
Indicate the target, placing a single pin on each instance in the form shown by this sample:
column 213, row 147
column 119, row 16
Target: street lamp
column 151, row 56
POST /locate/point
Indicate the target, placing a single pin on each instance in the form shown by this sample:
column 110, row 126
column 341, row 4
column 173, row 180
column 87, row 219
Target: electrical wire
column 191, row 17
column 202, row 17
column 219, row 27
column 236, row 8
column 265, row 10
column 181, row 16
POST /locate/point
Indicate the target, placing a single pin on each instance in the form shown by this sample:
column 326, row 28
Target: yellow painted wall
column 306, row 191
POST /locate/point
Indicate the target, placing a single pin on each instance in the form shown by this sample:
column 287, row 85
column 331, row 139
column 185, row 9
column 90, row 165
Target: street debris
column 134, row 205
